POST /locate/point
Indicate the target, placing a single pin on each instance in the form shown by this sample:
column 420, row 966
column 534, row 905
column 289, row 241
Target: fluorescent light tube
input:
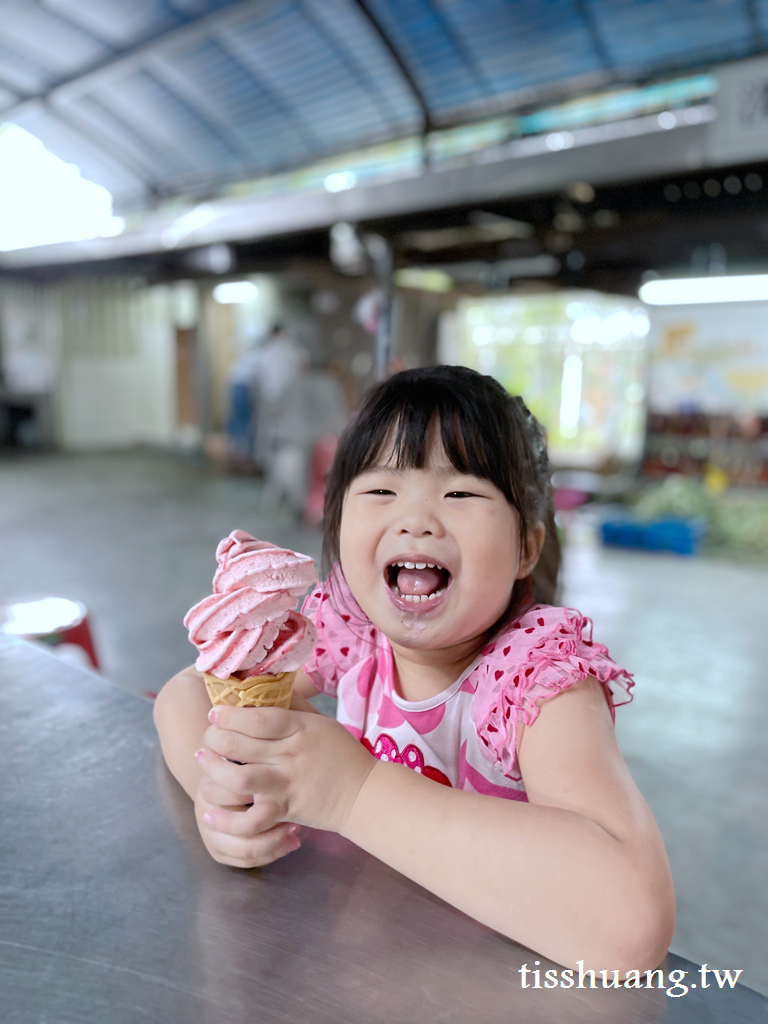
column 688, row 290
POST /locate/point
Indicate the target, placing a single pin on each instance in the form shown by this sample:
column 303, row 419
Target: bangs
column 402, row 433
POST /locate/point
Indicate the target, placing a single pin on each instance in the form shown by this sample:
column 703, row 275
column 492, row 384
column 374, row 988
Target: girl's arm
column 181, row 718
column 579, row 873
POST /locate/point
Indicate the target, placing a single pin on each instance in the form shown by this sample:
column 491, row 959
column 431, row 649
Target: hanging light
column 230, row 292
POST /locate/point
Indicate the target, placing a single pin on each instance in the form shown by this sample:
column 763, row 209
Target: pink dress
column 464, row 737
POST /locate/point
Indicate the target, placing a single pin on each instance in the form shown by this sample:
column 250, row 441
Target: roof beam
column 463, row 51
column 615, row 153
column 753, row 17
column 598, row 43
column 367, row 82
column 14, row 90
column 405, row 71
column 124, row 62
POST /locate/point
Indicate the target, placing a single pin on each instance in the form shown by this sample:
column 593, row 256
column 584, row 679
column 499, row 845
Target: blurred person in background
column 281, row 359
column 313, row 409
column 242, row 387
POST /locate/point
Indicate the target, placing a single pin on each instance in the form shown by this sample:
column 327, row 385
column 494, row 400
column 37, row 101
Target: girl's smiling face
column 457, row 522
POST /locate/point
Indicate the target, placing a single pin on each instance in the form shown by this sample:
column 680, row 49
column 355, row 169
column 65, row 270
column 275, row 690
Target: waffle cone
column 254, row 692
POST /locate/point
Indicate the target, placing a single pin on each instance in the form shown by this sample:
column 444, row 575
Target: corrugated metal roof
column 161, row 96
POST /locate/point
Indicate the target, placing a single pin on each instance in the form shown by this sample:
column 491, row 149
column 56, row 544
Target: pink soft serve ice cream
column 249, row 624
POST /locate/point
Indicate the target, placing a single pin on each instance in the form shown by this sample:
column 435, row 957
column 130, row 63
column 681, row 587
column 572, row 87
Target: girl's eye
column 460, row 494
column 380, row 490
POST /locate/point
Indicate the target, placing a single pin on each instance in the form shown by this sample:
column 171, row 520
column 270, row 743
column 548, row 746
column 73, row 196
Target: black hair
column 485, row 431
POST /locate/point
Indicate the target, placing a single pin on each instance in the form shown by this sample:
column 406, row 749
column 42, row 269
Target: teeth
column 420, row 598
column 418, row 565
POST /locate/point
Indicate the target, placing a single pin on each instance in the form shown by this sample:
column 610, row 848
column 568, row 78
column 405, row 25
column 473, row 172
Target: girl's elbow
column 643, row 932
column 644, row 921
column 628, row 945
column 635, row 927
column 657, row 937
column 159, row 708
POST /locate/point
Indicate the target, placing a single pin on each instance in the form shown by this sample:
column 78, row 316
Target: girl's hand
column 253, row 839
column 301, row 767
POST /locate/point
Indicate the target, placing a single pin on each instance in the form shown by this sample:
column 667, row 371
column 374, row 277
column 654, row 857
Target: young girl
column 474, row 748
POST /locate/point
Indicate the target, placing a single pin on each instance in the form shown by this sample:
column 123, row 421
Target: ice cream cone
column 254, row 692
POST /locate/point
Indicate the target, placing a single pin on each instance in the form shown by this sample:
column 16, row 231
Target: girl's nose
column 418, row 520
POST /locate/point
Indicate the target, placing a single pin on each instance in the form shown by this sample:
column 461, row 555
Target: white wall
column 117, row 383
column 113, row 345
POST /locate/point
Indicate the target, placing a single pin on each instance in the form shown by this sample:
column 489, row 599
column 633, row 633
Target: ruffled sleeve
column 543, row 653
column 340, row 642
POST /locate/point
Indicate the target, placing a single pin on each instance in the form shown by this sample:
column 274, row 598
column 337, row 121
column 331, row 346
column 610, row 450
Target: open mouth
column 417, row 582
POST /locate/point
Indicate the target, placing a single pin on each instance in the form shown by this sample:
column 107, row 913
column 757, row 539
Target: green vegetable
column 737, row 519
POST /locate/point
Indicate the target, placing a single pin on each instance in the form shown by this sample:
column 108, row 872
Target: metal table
column 112, row 912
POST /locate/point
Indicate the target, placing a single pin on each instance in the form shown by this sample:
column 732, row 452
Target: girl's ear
column 546, row 572
column 535, row 542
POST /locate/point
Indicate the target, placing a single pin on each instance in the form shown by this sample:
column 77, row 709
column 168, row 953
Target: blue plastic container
column 683, row 536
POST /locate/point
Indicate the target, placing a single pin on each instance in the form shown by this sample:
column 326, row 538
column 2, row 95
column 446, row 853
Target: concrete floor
column 694, row 631
column 133, row 536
